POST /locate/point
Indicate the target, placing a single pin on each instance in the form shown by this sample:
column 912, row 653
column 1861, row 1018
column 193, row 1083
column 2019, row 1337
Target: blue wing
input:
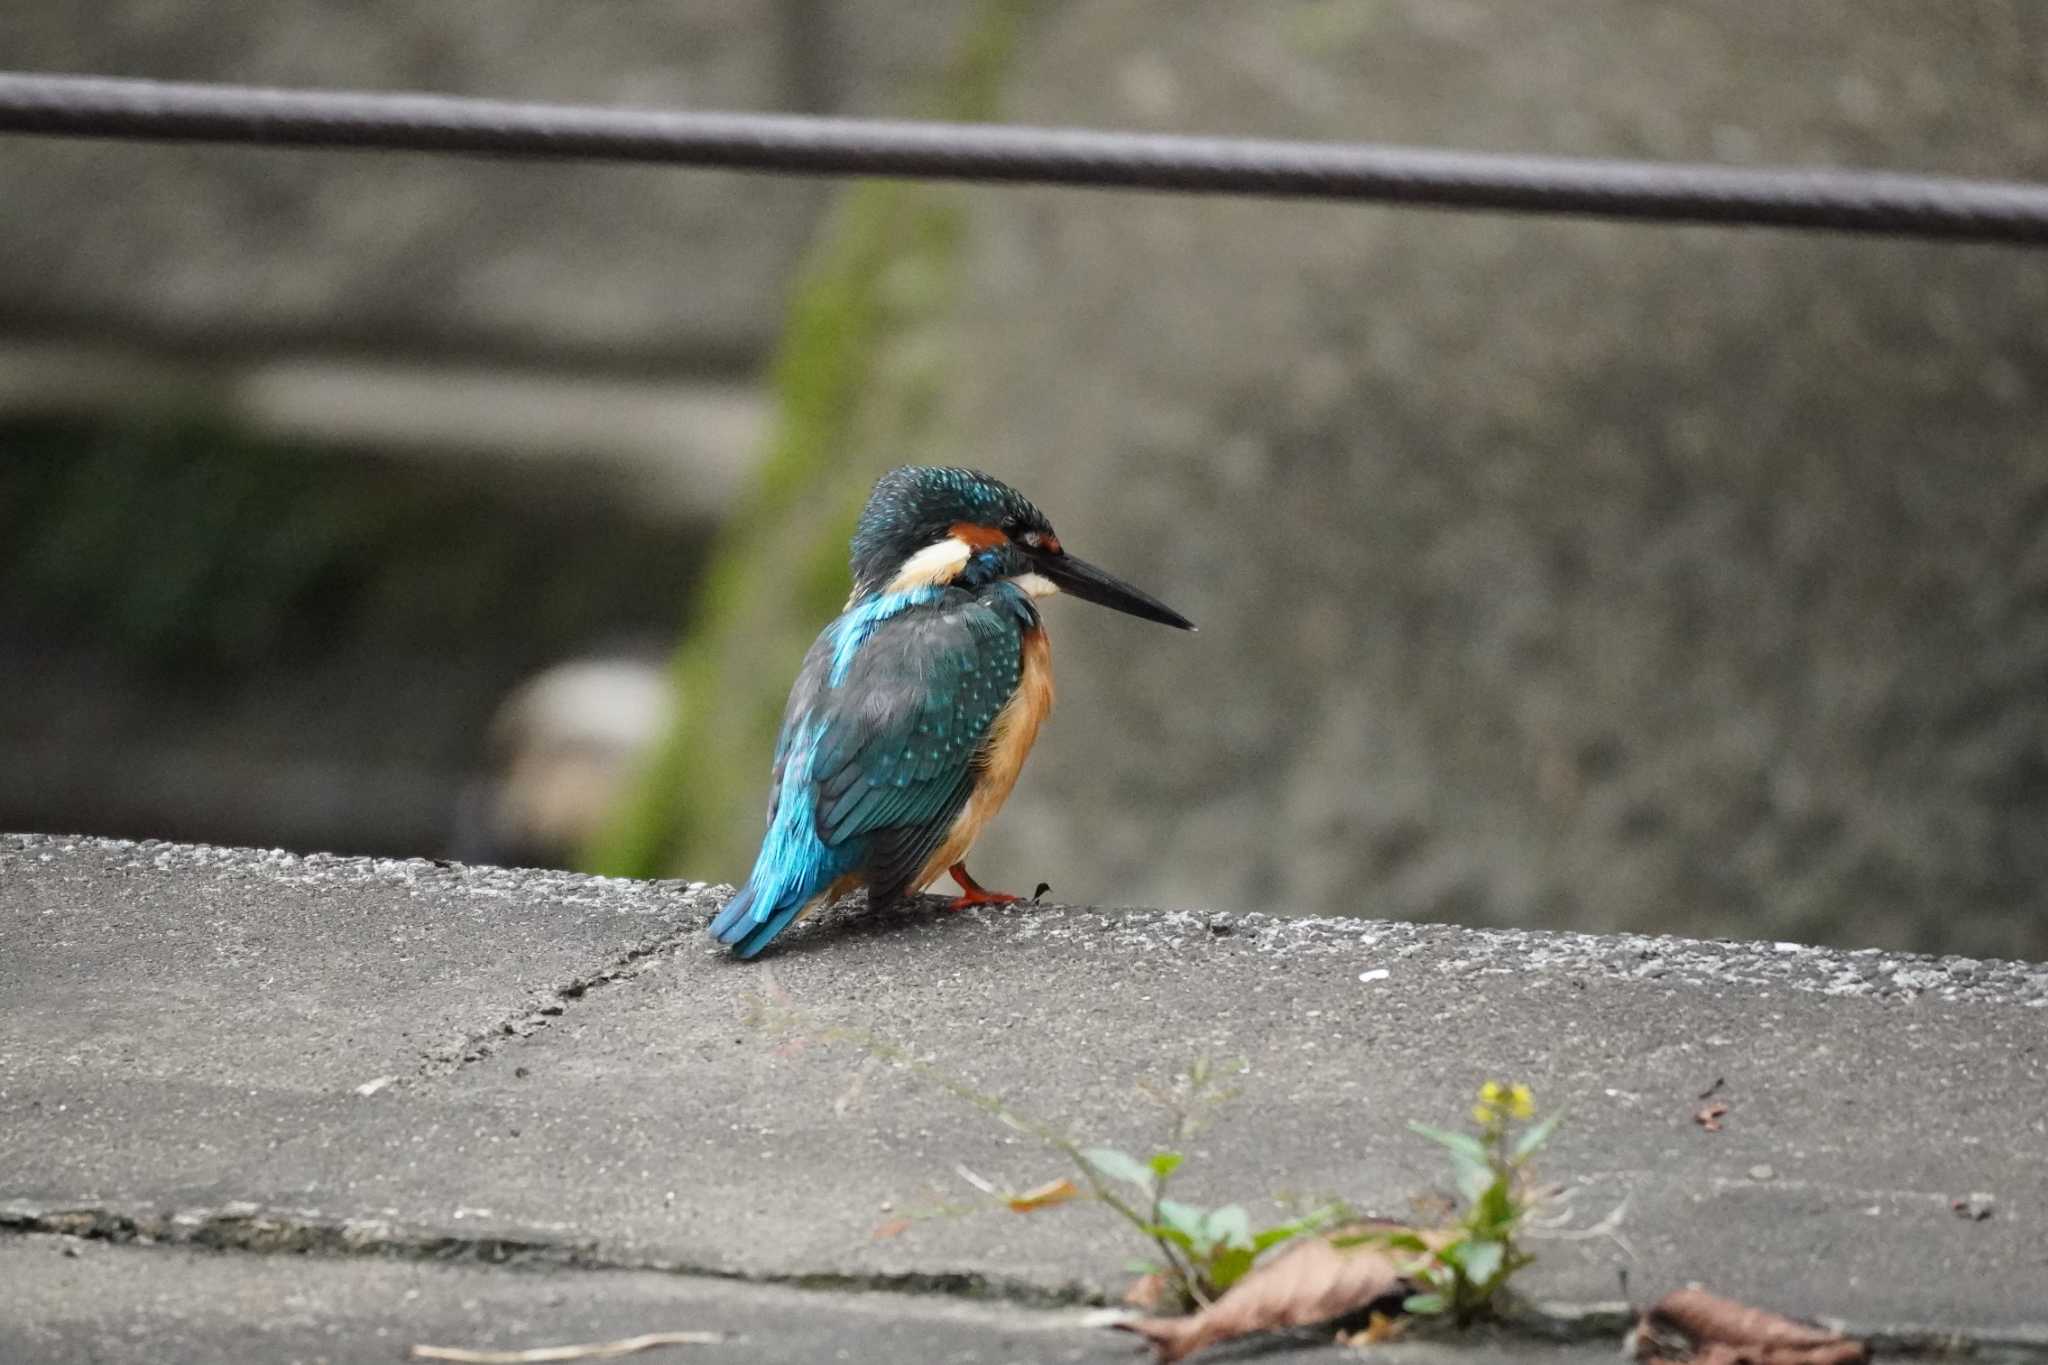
column 878, row 747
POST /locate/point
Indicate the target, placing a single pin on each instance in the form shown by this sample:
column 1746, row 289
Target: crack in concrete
column 452, row 1057
column 244, row 1228
column 252, row 1229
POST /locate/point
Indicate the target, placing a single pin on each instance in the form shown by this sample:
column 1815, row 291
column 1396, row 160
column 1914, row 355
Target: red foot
column 974, row 893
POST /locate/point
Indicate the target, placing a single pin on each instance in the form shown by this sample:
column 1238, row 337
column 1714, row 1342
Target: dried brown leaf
column 1148, row 1292
column 1694, row 1326
column 1310, row 1282
column 1051, row 1193
column 893, row 1227
column 1721, row 1353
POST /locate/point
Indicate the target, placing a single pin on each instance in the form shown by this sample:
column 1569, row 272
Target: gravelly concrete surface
column 73, row 1302
column 106, row 1302
column 562, row 1070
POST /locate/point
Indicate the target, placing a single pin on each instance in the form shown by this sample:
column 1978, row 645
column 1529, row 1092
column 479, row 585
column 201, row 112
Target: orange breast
column 1002, row 756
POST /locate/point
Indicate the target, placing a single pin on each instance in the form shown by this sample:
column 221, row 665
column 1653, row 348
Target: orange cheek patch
column 976, row 537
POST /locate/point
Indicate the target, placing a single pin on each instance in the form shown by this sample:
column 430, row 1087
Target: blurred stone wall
column 1549, row 573
column 223, row 248
column 307, row 459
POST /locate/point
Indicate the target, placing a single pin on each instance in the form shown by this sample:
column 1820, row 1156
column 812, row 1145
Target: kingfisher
column 914, row 710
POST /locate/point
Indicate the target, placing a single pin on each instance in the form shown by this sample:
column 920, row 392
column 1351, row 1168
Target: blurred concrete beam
column 676, row 448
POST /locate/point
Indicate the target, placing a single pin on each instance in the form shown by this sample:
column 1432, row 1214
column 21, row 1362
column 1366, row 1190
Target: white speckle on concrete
column 1452, row 952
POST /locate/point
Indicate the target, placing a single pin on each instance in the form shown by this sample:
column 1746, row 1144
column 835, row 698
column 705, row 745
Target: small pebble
column 1761, row 1173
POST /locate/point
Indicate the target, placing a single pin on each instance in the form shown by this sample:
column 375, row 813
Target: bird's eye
column 1032, row 539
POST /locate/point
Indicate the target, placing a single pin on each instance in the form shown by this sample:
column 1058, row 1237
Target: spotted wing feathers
column 878, row 751
column 895, row 757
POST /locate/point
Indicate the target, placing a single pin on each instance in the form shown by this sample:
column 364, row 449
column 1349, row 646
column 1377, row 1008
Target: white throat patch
column 936, row 563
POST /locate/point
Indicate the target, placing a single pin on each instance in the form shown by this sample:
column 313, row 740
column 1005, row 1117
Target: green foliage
column 1463, row 1269
column 1202, row 1252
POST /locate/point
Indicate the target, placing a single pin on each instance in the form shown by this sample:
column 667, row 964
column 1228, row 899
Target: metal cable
column 1840, row 201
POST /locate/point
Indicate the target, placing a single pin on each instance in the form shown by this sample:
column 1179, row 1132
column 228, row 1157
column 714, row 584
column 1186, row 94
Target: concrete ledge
column 269, row 1053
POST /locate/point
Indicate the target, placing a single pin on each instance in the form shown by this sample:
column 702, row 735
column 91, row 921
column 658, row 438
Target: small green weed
column 1203, row 1252
column 1461, row 1268
column 1464, row 1268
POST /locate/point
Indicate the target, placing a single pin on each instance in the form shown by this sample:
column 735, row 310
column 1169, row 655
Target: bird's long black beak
column 1091, row 584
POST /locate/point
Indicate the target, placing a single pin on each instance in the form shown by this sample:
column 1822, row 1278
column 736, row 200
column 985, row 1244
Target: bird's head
column 924, row 524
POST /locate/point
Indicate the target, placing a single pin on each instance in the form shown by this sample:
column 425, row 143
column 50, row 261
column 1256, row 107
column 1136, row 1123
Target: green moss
column 847, row 407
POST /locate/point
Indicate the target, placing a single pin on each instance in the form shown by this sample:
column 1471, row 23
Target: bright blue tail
column 749, row 926
column 794, row 865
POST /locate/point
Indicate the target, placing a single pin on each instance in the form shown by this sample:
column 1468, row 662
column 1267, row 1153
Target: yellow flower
column 1496, row 1100
column 1492, row 1096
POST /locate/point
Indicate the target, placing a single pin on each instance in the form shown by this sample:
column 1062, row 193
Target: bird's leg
column 973, row 892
